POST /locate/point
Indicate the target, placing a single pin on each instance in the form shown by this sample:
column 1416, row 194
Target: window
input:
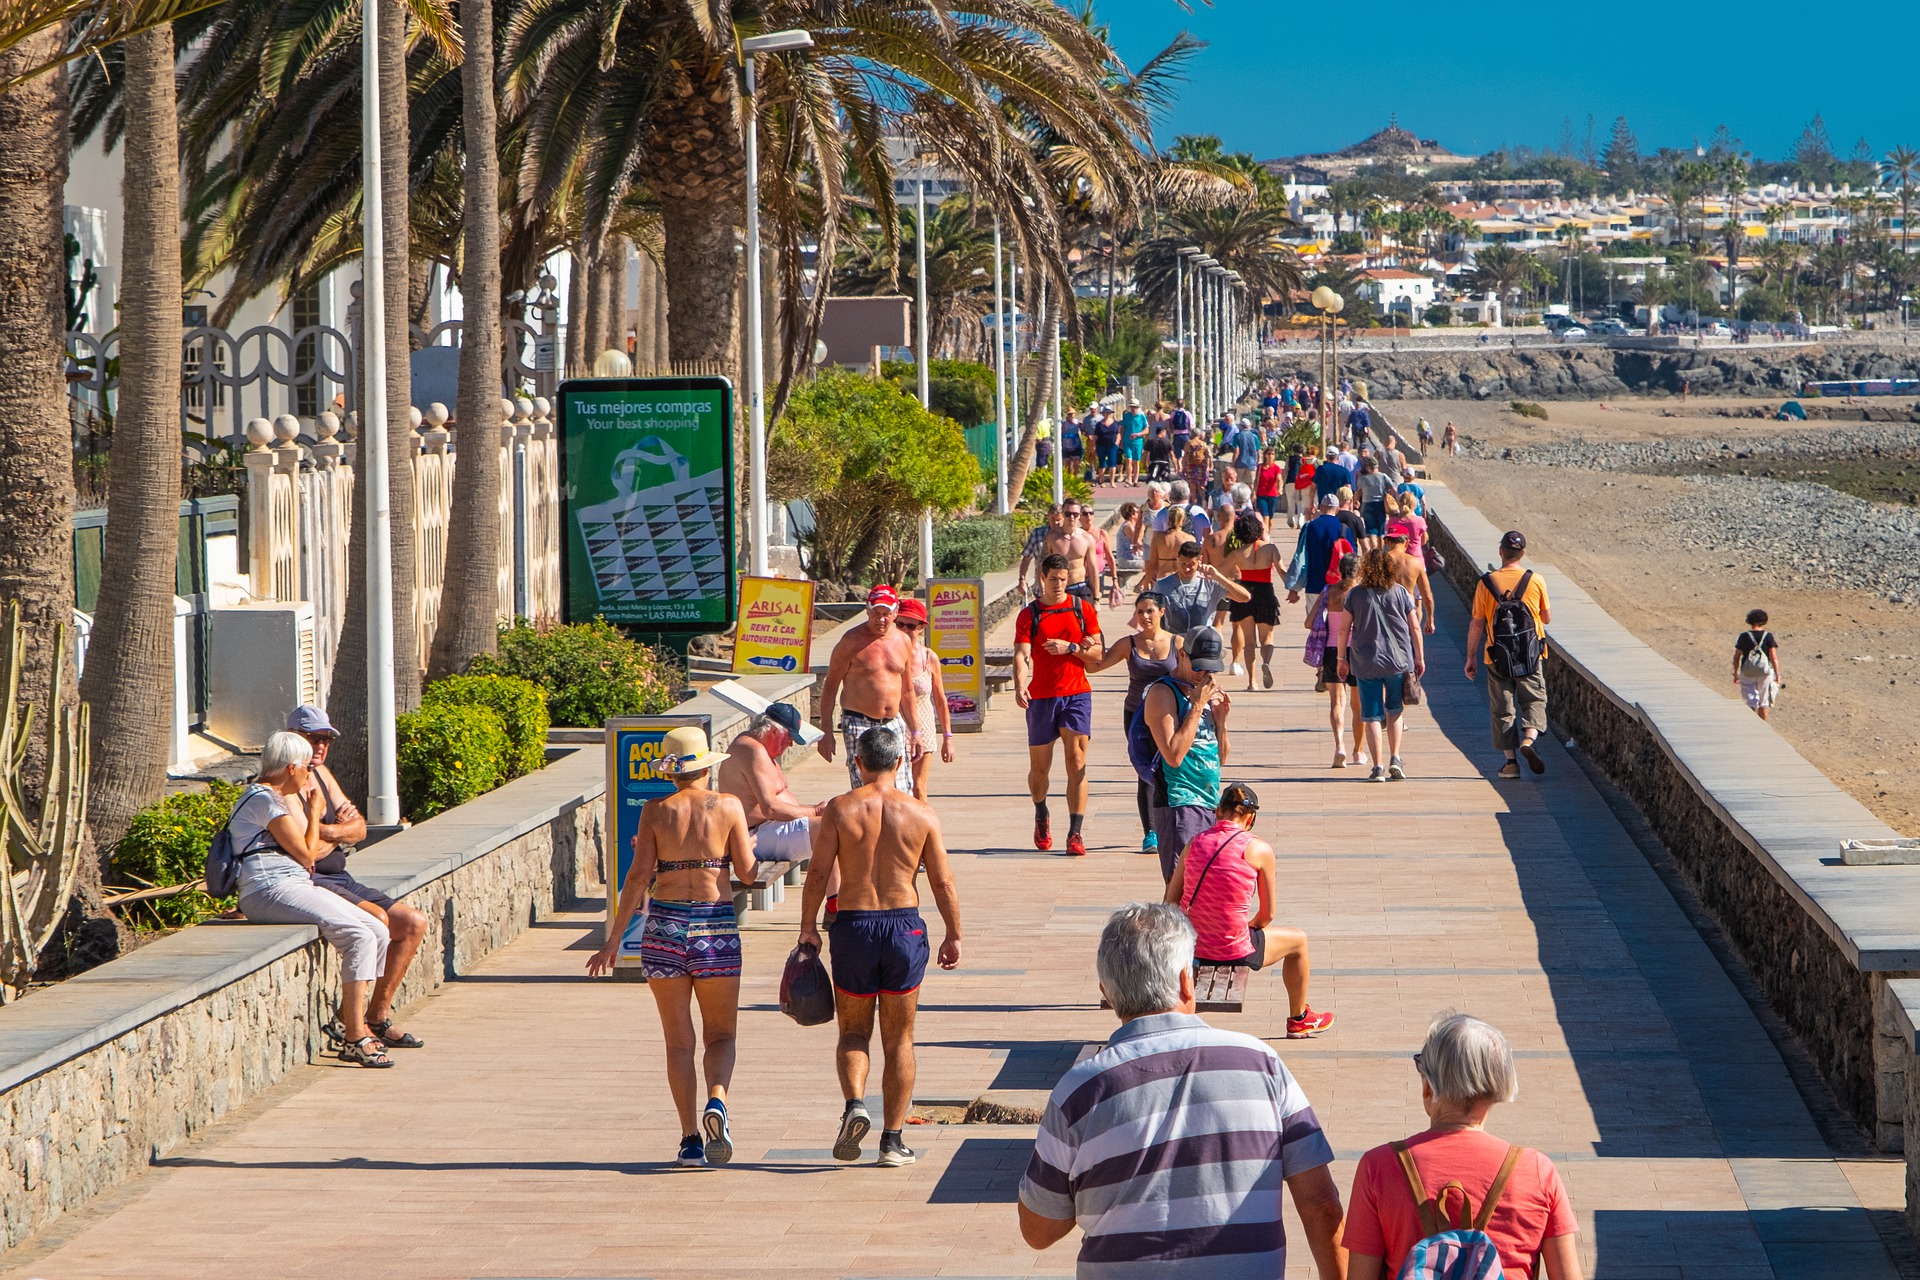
column 306, row 352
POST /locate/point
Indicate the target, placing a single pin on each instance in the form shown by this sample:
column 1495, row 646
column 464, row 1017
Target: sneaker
column 1042, row 833
column 894, row 1152
column 1236, row 670
column 1150, row 843
column 693, row 1153
column 1511, row 769
column 1532, row 757
column 1378, row 775
column 1266, row 675
column 1308, row 1025
column 713, row 1123
column 854, row 1126
column 1076, row 846
column 1396, row 771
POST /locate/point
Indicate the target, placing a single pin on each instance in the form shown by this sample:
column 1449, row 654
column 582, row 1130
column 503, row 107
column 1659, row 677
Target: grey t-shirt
column 1189, row 604
column 1380, row 641
column 1372, row 487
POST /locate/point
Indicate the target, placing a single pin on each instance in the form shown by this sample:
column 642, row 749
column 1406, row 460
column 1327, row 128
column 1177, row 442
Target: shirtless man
column 874, row 662
column 1068, row 539
column 1411, row 572
column 877, row 837
column 780, row 825
column 1036, row 549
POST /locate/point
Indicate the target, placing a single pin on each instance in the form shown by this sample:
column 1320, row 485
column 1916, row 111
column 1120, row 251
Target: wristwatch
column 1073, row 648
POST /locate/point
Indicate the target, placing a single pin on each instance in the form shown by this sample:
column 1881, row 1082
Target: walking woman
column 687, row 845
column 929, row 694
column 1148, row 652
column 1328, row 616
column 1381, row 648
column 1250, row 558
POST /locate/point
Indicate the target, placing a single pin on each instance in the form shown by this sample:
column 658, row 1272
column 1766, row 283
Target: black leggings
column 1142, row 796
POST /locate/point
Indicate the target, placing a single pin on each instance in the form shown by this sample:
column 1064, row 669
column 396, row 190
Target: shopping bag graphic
column 661, row 536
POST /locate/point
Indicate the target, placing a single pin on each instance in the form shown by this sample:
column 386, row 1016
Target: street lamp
column 383, row 775
column 751, row 48
column 1000, row 506
column 1329, row 304
column 1203, row 343
column 1236, row 353
column 1180, row 311
column 920, row 344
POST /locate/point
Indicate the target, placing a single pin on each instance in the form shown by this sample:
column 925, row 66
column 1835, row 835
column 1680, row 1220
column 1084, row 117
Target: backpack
column 1033, row 617
column 1755, row 665
column 1464, row 1251
column 1513, row 641
column 1143, row 753
column 223, row 860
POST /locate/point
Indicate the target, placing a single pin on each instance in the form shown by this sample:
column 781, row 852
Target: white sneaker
column 1236, row 670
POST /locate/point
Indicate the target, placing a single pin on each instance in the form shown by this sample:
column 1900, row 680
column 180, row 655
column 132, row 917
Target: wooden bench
column 1220, row 988
column 765, row 889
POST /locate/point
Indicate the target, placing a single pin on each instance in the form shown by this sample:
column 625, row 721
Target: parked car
column 1572, row 331
column 1716, row 329
column 1607, row 327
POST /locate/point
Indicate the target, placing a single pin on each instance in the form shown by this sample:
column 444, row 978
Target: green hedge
column 520, row 704
column 448, row 755
column 590, row 671
column 974, row 547
column 167, row 844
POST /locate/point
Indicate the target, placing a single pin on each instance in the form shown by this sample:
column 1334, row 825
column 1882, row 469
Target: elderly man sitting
column 781, row 826
column 1165, row 1145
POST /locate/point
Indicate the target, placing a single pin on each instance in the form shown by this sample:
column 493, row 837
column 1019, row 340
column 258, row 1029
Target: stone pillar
column 259, row 462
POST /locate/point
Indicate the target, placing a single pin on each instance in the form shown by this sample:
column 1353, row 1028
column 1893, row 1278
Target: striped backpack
column 1463, row 1251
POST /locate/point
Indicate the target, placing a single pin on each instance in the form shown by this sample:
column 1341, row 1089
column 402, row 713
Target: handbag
column 1297, row 570
column 1316, row 650
column 806, row 993
column 1411, row 694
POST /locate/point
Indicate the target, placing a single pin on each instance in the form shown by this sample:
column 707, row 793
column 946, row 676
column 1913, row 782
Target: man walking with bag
column 1510, row 616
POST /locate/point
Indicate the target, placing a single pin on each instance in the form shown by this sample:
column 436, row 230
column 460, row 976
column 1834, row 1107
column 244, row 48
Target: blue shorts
column 1380, row 698
column 1374, row 514
column 879, row 953
column 1047, row 717
column 1134, row 449
column 690, row 940
column 1109, row 455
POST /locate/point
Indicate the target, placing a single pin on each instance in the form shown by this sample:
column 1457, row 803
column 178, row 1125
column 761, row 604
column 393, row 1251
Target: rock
column 1008, row 1106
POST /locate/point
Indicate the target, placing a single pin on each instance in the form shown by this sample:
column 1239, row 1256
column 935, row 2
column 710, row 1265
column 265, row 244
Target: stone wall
column 116, row 1067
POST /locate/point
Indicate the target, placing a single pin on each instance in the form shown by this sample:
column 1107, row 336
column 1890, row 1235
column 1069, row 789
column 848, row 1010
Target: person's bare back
column 882, row 836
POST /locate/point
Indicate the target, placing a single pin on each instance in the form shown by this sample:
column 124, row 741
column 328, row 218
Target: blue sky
column 1477, row 77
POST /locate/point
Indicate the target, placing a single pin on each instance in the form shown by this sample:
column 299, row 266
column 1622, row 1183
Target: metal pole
column 923, row 353
column 1059, row 413
column 1180, row 323
column 756, row 369
column 1000, row 504
column 521, row 608
column 383, row 780
column 1013, row 353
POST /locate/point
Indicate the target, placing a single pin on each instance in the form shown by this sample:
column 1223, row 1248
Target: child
column 1756, row 663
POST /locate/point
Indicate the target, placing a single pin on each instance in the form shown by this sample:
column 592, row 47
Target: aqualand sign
column 775, row 631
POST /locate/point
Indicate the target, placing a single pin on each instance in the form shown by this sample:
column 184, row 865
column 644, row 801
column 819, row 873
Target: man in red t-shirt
column 1056, row 639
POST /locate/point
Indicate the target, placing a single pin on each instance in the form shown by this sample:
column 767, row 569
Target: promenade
column 533, row 1137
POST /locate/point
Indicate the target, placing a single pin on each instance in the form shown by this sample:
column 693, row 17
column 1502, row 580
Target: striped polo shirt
column 1169, row 1147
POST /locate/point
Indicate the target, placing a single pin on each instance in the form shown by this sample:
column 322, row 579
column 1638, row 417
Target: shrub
column 1037, row 491
column 520, row 704
column 974, row 547
column 167, row 844
column 1528, row 409
column 589, row 670
column 448, row 755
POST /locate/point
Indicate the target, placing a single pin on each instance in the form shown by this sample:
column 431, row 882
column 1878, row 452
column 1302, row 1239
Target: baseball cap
column 1189, row 548
column 1204, row 650
column 1513, row 540
column 915, row 608
column 1400, row 529
column 883, row 596
column 1238, row 795
column 786, row 715
column 309, row 719
column 1328, row 502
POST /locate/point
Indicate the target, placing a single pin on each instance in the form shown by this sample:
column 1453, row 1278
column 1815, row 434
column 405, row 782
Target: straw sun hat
column 685, row 750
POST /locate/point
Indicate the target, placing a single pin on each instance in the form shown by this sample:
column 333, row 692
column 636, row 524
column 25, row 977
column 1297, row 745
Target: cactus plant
column 43, row 855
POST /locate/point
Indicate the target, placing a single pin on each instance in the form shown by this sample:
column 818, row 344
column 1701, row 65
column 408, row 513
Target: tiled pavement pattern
column 532, row 1137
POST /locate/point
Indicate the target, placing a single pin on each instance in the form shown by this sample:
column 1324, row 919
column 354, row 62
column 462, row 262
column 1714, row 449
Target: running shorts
column 879, row 953
column 690, row 940
column 1046, row 717
column 1252, row 960
column 1262, row 605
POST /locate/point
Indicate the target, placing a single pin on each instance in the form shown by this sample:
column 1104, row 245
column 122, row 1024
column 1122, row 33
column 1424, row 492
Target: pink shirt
column 1220, row 900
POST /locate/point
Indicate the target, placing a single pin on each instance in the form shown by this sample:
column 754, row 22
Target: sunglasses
column 1417, row 1067
column 909, row 625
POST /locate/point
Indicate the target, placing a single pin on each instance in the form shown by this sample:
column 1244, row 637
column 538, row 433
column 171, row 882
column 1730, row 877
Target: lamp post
column 383, row 774
column 1000, row 506
column 1013, row 352
column 1181, row 312
column 921, row 350
column 1329, row 304
column 1235, row 355
column 1203, row 337
column 751, row 48
column 1059, row 413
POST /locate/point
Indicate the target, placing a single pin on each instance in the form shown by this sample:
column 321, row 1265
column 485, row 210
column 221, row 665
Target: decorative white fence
column 299, row 504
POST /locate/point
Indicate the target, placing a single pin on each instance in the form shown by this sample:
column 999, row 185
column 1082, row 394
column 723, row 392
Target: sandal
column 367, row 1051
column 335, row 1031
column 405, row 1040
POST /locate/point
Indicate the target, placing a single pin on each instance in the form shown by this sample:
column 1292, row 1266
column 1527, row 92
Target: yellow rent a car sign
column 775, row 632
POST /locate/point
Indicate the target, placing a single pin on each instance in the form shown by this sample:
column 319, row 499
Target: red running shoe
column 1042, row 833
column 1308, row 1025
column 1076, row 847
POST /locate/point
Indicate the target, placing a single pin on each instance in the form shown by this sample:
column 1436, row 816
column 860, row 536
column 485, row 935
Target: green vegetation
column 520, row 704
column 590, row 671
column 1528, row 409
column 448, row 755
column 1037, row 493
column 958, row 389
column 166, row 844
column 975, row 546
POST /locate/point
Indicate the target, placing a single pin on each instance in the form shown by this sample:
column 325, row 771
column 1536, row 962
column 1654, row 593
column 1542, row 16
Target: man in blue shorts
column 1056, row 638
column 878, row 837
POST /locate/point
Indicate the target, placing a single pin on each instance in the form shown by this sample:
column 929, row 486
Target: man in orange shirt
column 1516, row 660
column 1056, row 639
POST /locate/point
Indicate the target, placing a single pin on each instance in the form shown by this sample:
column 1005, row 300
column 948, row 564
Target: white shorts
column 790, row 841
column 1758, row 693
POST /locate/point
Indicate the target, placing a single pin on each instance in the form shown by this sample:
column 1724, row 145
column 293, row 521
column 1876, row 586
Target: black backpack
column 1033, row 618
column 1513, row 641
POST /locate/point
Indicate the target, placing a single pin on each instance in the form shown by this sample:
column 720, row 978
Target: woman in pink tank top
column 1225, row 880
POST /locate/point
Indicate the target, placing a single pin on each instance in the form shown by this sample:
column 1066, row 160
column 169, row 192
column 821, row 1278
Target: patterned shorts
column 853, row 724
column 690, row 940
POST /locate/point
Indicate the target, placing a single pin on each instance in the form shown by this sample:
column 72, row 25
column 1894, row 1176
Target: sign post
column 955, row 609
column 776, row 626
column 646, row 482
column 633, row 746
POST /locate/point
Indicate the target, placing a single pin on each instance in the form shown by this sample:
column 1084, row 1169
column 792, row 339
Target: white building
column 1406, row 294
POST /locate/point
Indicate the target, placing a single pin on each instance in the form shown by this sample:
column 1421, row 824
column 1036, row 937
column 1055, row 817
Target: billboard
column 646, row 486
column 776, row 626
column 954, row 616
column 633, row 744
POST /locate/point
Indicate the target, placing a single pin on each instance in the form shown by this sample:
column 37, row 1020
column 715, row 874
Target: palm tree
column 1901, row 170
column 1686, row 185
column 1243, row 238
column 470, row 603
column 46, row 34
column 129, row 681
column 1502, row 270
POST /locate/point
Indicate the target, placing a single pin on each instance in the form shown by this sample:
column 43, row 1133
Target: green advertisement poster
column 646, row 485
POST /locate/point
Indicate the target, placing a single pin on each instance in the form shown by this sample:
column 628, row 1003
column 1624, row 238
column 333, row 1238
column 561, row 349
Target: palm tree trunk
column 595, row 321
column 470, row 606
column 1038, row 394
column 347, row 695
column 662, row 348
column 36, row 436
column 616, row 317
column 129, row 677
column 578, row 286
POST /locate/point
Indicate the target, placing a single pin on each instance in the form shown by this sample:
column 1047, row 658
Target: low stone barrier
column 115, row 1067
column 1753, row 826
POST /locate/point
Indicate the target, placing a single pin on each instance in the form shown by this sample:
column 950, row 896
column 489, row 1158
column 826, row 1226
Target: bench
column 1217, row 988
column 765, row 890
